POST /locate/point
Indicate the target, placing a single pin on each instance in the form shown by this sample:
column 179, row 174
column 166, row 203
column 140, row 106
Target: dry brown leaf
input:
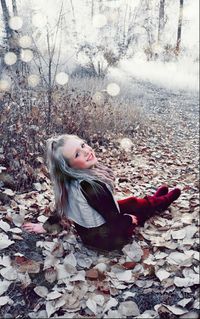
column 23, row 264
column 50, row 274
column 92, row 274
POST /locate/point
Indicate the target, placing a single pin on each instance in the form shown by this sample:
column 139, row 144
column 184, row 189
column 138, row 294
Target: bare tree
column 74, row 20
column 161, row 22
column 14, row 6
column 92, row 9
column 149, row 26
column 180, row 22
column 6, row 17
column 48, row 65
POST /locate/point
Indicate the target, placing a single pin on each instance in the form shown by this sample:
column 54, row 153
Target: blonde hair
column 61, row 173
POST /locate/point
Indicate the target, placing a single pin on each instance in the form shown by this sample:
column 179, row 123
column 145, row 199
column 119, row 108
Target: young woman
column 83, row 190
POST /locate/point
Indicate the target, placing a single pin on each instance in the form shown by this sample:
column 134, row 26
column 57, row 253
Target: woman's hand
column 34, row 228
column 134, row 219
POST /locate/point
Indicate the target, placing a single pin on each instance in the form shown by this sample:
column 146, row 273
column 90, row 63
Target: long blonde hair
column 61, row 173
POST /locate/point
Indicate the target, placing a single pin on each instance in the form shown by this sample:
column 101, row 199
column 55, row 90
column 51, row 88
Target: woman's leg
column 146, row 207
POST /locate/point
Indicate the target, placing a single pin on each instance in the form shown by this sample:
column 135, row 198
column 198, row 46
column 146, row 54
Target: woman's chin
column 93, row 163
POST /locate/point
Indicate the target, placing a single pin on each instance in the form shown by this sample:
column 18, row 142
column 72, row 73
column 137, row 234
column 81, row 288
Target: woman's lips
column 90, row 157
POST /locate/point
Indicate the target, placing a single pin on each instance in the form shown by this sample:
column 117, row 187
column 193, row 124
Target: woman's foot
column 162, row 190
column 163, row 202
column 34, row 228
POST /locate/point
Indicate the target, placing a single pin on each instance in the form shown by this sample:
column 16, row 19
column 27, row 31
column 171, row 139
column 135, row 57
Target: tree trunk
column 92, row 9
column 14, row 6
column 100, row 6
column 6, row 18
column 161, row 19
column 74, row 20
column 180, row 21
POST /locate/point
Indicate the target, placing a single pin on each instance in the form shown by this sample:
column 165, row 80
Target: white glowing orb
column 113, row 89
column 15, row 23
column 39, row 20
column 4, row 85
column 33, row 80
column 26, row 55
column 10, row 58
column 98, row 98
column 99, row 20
column 62, row 78
column 126, row 143
column 25, row 41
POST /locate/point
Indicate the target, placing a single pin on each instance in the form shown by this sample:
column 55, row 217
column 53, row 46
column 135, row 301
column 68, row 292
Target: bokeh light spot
column 126, row 144
column 33, row 80
column 4, row 85
column 113, row 89
column 26, row 55
column 25, row 41
column 62, row 78
column 15, row 23
column 98, row 98
column 10, row 58
column 99, row 20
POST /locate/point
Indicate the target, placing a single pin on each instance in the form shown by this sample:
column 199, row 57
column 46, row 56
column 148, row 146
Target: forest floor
column 155, row 276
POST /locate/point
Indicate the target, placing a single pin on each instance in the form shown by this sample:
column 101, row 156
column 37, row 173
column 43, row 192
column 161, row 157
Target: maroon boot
column 162, row 190
column 146, row 207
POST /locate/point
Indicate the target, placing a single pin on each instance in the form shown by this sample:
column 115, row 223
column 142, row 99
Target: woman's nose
column 86, row 151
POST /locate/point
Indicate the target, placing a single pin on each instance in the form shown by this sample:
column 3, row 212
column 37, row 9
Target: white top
column 78, row 208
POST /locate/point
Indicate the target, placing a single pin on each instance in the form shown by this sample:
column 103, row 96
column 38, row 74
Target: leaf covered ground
column 155, row 276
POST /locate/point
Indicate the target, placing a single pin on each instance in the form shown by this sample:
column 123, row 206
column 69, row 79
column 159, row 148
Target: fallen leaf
column 4, row 300
column 4, row 226
column 162, row 274
column 5, row 261
column 92, row 274
column 124, row 275
column 128, row 309
column 91, row 304
column 112, row 302
column 9, row 273
column 184, row 302
column 4, row 285
column 9, row 192
column 50, row 274
column 23, row 264
column 186, row 282
column 41, row 291
column 4, row 243
column 53, row 295
column 129, row 264
column 176, row 310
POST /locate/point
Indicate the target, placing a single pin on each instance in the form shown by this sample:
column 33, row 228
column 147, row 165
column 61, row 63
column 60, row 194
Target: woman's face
column 79, row 154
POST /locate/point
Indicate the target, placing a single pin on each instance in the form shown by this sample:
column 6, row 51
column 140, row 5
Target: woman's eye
column 77, row 154
column 83, row 145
